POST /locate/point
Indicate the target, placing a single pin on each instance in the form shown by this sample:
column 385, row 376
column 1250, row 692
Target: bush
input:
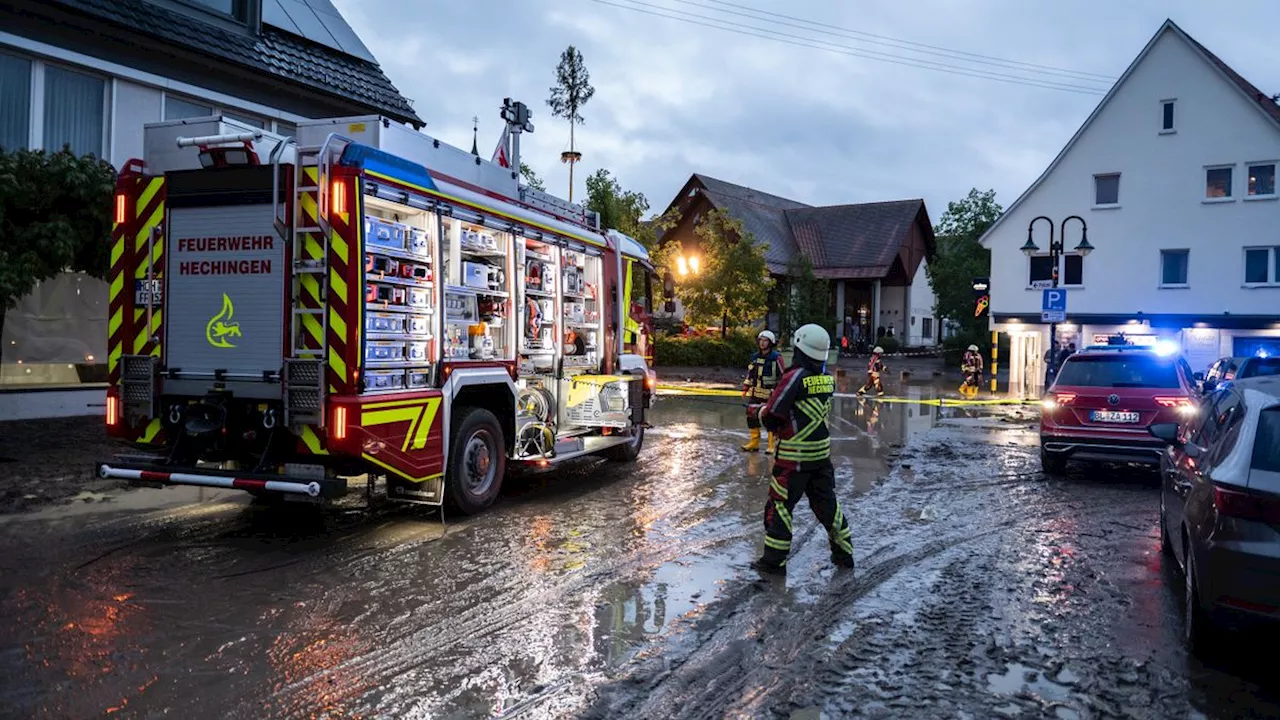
column 732, row 351
column 953, row 347
column 890, row 344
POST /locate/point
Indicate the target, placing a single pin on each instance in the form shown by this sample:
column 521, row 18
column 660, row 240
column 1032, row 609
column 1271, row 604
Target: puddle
column 1025, row 679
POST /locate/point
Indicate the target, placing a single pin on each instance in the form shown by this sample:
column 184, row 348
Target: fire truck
column 291, row 314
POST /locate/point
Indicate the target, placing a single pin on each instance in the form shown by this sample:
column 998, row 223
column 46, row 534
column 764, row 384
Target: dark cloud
column 674, row 98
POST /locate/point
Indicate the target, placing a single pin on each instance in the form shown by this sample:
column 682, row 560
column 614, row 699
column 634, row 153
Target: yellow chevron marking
column 117, row 319
column 337, row 363
column 338, row 285
column 117, row 251
column 310, row 209
column 424, row 426
column 339, row 245
column 153, row 429
column 312, row 286
column 145, row 230
column 312, row 173
column 312, row 248
column 394, row 404
column 113, row 357
column 116, row 286
column 313, row 328
column 337, row 324
column 398, row 473
column 312, row 441
column 386, row 417
column 149, row 194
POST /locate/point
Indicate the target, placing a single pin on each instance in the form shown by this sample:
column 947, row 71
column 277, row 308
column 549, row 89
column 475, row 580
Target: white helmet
column 973, row 348
column 878, row 350
column 813, row 341
column 768, row 335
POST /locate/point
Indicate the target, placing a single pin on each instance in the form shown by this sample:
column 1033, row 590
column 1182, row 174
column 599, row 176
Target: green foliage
column 619, row 209
column 960, row 258
column 890, row 344
column 572, row 89
column 531, row 178
column 953, row 347
column 733, row 350
column 55, row 216
column 809, row 298
column 733, row 283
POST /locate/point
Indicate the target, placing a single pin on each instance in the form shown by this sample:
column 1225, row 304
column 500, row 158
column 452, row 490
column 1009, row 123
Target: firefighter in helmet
column 762, row 377
column 875, row 368
column 971, row 365
column 797, row 410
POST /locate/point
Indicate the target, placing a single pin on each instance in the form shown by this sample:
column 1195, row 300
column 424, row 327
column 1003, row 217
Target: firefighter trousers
column 785, row 490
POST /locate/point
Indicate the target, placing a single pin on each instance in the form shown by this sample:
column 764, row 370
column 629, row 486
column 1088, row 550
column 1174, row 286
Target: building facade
column 1174, row 177
column 874, row 255
column 91, row 73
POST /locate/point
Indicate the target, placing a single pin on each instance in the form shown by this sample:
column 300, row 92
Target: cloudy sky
column 822, row 101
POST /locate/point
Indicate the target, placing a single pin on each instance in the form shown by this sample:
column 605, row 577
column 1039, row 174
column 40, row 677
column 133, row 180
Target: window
column 1167, row 115
column 255, row 122
column 286, row 129
column 1118, row 371
column 1071, row 270
column 1262, row 180
column 74, row 111
column 176, row 108
column 1173, row 266
column 234, row 9
column 1261, row 266
column 1266, row 443
column 1217, row 182
column 1106, row 189
column 15, row 102
column 926, row 327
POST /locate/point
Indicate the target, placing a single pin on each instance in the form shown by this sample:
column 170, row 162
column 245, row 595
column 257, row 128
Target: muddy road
column 600, row 590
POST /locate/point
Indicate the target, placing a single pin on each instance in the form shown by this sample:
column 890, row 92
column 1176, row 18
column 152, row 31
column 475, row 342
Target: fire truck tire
column 629, row 451
column 477, row 461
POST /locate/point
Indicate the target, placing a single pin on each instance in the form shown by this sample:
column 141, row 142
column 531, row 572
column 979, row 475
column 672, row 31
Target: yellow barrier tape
column 940, row 402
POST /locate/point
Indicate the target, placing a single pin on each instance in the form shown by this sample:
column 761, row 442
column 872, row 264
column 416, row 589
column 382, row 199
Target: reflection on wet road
column 570, row 594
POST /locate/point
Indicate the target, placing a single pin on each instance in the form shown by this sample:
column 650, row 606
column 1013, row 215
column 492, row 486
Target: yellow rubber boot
column 753, row 445
column 773, row 443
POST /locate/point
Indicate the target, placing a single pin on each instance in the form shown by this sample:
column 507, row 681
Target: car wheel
column 1166, row 546
column 1052, row 463
column 1197, row 630
column 477, row 461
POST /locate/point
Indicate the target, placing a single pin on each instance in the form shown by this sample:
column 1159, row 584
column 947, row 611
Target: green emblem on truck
column 220, row 326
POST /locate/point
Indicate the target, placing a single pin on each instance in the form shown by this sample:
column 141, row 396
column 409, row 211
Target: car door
column 1179, row 468
column 1198, row 510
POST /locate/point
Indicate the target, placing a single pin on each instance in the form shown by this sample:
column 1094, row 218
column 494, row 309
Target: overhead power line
column 828, row 46
column 924, row 48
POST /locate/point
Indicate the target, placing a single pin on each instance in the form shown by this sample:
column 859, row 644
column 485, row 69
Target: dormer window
column 234, row 9
column 226, row 13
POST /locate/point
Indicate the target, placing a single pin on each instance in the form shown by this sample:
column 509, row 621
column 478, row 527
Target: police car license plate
column 1113, row 416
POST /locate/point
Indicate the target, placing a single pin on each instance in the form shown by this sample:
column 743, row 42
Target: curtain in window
column 74, row 105
column 15, row 102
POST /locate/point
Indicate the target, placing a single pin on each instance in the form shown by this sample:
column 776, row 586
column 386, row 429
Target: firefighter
column 797, row 410
column 971, row 365
column 763, row 373
column 875, row 368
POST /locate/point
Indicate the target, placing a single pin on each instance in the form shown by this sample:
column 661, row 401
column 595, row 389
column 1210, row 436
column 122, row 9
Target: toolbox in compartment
column 418, row 325
column 381, row 264
column 383, row 379
column 383, row 350
column 419, row 297
column 419, row 378
column 417, row 351
column 417, row 241
column 383, row 233
column 387, row 294
column 376, row 322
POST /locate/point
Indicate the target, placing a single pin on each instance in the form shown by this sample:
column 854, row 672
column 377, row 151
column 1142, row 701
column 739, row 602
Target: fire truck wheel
column 477, row 461
column 628, row 451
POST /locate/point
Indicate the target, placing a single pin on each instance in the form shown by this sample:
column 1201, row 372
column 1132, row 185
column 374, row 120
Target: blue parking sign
column 1055, row 300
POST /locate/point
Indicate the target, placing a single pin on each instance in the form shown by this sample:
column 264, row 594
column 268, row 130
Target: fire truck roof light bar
column 207, row 140
column 311, row 489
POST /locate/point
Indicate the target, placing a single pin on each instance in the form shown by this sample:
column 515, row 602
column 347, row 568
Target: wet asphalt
column 982, row 590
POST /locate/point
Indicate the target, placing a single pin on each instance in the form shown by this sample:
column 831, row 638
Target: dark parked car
column 1103, row 400
column 1239, row 368
column 1220, row 507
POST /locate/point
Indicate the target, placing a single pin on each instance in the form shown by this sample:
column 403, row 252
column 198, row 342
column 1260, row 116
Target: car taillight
column 1184, row 405
column 1057, row 399
column 1246, row 505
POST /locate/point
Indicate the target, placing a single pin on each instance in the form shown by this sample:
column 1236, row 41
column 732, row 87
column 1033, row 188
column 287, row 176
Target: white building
column 91, row 73
column 1174, row 174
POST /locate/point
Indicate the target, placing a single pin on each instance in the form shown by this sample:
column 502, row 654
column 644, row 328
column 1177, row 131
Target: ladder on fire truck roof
column 304, row 379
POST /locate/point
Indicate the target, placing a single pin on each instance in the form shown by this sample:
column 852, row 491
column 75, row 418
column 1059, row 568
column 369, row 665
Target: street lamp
column 1055, row 252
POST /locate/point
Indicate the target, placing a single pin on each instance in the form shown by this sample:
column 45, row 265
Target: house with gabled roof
column 874, row 254
column 91, row 73
column 1173, row 176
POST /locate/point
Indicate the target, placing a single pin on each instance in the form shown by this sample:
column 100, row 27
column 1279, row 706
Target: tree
column 55, row 216
column 732, row 284
column 808, row 299
column 571, row 92
column 960, row 258
column 619, row 209
column 531, row 178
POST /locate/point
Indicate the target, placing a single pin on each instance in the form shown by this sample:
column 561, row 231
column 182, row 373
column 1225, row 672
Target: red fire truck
column 365, row 300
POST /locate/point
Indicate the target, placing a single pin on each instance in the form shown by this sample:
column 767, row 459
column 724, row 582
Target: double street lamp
column 1055, row 252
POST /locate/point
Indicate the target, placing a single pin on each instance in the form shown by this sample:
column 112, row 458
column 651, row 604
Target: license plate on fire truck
column 1113, row 416
column 147, row 292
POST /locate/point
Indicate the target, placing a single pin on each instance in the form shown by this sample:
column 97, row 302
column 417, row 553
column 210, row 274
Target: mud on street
column 982, row 590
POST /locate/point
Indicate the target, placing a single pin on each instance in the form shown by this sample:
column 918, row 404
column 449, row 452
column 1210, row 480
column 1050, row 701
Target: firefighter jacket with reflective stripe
column 797, row 411
column 763, row 374
column 972, row 362
column 875, row 365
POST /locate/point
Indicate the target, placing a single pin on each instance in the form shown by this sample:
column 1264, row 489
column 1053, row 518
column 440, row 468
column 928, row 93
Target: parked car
column 1220, row 507
column 1239, row 368
column 1103, row 400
